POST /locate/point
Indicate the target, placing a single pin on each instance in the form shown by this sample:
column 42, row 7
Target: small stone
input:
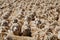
column 9, row 38
column 4, row 23
column 15, row 21
column 58, row 10
column 27, row 32
column 54, row 38
column 58, row 34
column 16, row 29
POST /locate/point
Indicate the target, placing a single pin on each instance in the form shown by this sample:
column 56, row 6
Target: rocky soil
column 29, row 19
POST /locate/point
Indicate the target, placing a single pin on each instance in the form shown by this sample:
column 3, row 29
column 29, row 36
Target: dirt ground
column 29, row 19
